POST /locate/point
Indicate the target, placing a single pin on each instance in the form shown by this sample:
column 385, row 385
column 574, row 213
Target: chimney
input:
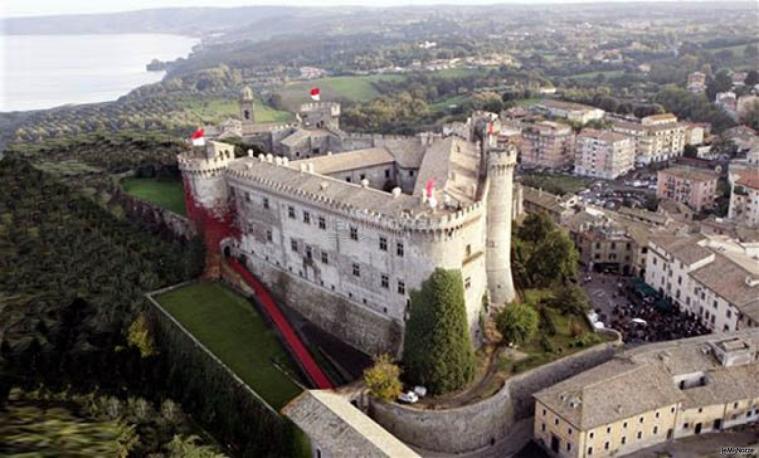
column 310, row 167
column 396, row 192
column 250, row 153
column 364, row 183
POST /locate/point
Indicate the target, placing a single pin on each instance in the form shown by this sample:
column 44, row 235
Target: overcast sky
column 10, row 8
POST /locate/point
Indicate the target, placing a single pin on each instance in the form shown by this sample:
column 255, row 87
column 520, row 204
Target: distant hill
column 183, row 21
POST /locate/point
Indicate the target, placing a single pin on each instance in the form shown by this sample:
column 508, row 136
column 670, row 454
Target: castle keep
column 343, row 227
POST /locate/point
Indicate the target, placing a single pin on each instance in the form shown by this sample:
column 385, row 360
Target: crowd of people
column 645, row 318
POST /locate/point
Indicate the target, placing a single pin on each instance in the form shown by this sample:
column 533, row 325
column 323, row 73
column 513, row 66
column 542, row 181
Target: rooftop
column 690, row 173
column 562, row 105
column 643, row 379
column 749, row 179
column 603, row 135
column 358, row 159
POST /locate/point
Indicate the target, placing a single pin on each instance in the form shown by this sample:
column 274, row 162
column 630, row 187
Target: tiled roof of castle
column 453, row 163
column 352, row 160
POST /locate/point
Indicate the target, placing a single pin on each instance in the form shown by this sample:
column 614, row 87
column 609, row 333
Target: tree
column 437, row 350
column 722, row 82
column 554, row 260
column 535, row 227
column 383, row 379
column 752, row 78
column 750, row 51
column 750, row 116
column 139, row 336
column 690, row 151
column 571, row 299
column 517, row 322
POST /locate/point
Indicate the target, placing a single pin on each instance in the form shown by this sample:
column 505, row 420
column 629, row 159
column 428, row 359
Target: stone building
column 572, row 112
column 558, row 208
column 692, row 186
column 744, row 198
column 714, row 279
column 547, row 144
column 657, row 138
column 344, row 238
column 652, row 394
column 696, row 82
column 603, row 154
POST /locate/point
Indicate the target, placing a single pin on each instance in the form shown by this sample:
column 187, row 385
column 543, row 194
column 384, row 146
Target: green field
column 228, row 325
column 354, row 88
column 167, row 194
column 590, row 75
column 556, row 184
column 218, row 109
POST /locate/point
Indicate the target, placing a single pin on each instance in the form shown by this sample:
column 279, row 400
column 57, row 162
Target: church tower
column 501, row 161
column 246, row 107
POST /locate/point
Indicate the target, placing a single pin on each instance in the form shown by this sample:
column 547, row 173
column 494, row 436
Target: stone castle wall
column 361, row 328
column 477, row 426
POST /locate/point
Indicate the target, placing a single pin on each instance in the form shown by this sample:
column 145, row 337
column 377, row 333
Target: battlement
column 332, row 107
column 502, row 157
column 419, row 218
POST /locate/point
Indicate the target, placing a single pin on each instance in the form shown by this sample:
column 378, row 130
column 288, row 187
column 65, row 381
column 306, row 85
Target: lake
column 45, row 71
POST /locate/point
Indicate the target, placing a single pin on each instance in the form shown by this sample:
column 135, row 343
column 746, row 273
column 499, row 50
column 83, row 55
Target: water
column 45, row 71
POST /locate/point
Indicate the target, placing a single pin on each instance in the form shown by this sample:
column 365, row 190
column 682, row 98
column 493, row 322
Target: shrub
column 383, row 379
column 517, row 322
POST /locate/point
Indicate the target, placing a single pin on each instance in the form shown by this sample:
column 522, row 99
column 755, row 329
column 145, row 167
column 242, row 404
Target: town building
column 744, row 197
column 558, row 208
column 616, row 241
column 603, row 154
column 657, row 138
column 547, row 144
column 652, row 394
column 728, row 102
column 692, row 186
column 713, row 278
column 572, row 112
column 344, row 238
column 696, row 82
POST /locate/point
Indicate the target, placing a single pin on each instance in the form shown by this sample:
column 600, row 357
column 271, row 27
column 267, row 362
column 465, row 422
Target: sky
column 10, row 8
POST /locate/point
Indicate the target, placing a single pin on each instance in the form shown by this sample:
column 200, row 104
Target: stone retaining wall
column 481, row 424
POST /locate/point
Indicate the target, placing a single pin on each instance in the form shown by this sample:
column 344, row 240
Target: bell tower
column 246, row 106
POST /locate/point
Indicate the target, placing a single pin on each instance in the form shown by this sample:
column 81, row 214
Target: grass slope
column 354, row 88
column 164, row 193
column 215, row 110
column 231, row 328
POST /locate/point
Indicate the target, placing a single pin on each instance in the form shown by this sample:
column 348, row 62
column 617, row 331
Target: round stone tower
column 500, row 175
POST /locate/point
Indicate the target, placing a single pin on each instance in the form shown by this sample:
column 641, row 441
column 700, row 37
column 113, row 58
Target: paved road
column 705, row 445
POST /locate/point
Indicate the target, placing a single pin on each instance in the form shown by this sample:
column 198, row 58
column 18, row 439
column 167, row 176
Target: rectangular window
column 656, row 430
column 399, row 249
column 640, row 434
column 606, row 445
column 401, row 287
column 293, row 244
column 266, row 202
column 356, row 270
column 383, row 243
column 291, row 211
column 543, row 427
column 468, row 250
column 590, row 450
column 354, row 233
column 325, row 257
column 307, row 217
column 624, row 440
column 309, row 254
column 385, row 281
column 269, row 236
column 467, row 282
column 322, row 223
column 247, row 196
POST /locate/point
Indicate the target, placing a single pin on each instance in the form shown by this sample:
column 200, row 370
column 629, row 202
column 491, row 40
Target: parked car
column 408, row 397
column 421, row 391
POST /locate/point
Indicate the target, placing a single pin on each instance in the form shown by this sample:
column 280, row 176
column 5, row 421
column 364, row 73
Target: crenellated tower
column 500, row 164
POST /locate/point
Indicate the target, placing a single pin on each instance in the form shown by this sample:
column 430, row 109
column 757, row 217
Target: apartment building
column 657, row 138
column 744, row 198
column 572, row 112
column 603, row 154
column 714, row 279
column 652, row 394
column 547, row 144
column 692, row 186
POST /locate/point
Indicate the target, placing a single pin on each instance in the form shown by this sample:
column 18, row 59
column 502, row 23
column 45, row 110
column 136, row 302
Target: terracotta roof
column 690, row 173
column 749, row 179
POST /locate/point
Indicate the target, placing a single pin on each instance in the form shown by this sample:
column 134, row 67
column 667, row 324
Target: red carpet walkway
column 299, row 351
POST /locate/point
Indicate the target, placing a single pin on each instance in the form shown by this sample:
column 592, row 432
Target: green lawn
column 218, row 109
column 556, row 184
column 168, row 194
column 608, row 74
column 354, row 88
column 228, row 325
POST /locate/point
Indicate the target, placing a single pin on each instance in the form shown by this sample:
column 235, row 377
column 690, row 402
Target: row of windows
column 356, row 268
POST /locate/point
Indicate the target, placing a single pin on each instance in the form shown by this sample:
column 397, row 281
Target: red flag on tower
column 429, row 186
column 315, row 94
column 198, row 137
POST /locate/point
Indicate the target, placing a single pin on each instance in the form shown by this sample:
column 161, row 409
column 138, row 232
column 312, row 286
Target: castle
column 342, row 227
